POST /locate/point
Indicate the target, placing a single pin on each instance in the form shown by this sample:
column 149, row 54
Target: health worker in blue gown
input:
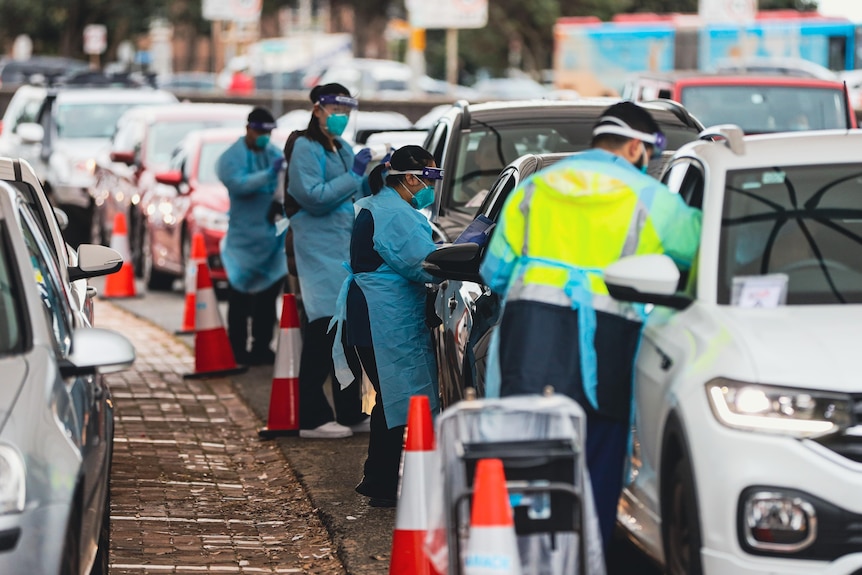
column 325, row 179
column 252, row 253
column 384, row 297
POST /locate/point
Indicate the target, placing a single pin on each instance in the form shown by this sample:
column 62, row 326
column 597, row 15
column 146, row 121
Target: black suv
column 474, row 142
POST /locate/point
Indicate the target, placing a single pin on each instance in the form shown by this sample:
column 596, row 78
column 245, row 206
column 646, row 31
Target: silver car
column 56, row 417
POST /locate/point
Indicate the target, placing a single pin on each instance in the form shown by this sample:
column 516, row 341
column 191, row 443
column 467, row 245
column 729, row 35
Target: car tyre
column 101, row 565
column 154, row 279
column 681, row 524
column 70, row 560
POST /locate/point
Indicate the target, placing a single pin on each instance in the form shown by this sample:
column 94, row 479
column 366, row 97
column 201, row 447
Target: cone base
column 408, row 556
column 130, row 296
column 266, row 433
column 218, row 373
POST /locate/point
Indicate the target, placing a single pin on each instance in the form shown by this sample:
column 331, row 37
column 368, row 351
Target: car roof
column 785, row 149
column 111, row 95
column 694, row 77
column 188, row 110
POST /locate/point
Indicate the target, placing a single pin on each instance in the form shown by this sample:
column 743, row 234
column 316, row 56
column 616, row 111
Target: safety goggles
column 613, row 125
column 262, row 126
column 338, row 100
column 426, row 173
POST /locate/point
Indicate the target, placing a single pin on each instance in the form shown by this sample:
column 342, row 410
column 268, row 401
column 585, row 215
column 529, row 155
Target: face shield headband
column 658, row 141
column 427, row 173
column 262, row 126
column 338, row 100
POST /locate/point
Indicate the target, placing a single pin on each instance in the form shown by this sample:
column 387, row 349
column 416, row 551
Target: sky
column 850, row 9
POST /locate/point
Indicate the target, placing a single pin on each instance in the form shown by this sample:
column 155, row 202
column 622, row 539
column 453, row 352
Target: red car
column 187, row 199
column 142, row 144
column 757, row 103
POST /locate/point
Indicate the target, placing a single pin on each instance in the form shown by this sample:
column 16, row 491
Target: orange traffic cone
column 493, row 547
column 412, row 520
column 213, row 354
column 121, row 283
column 198, row 255
column 284, row 397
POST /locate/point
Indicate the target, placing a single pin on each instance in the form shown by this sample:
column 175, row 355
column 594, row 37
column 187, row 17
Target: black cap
column 261, row 119
column 636, row 117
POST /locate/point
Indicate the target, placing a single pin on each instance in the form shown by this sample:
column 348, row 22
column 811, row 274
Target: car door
column 664, row 348
column 80, row 402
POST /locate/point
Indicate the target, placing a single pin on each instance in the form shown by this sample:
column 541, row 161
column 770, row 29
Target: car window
column 128, row 136
column 760, row 109
column 55, row 300
column 163, row 137
column 501, row 189
column 487, row 150
column 96, row 120
column 685, row 178
column 11, row 316
column 804, row 222
column 210, row 153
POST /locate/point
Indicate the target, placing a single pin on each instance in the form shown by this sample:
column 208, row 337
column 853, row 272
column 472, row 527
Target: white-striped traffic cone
column 412, row 520
column 284, row 396
column 493, row 547
column 198, row 255
column 213, row 354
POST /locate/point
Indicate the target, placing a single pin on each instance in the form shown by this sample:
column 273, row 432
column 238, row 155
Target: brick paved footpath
column 193, row 490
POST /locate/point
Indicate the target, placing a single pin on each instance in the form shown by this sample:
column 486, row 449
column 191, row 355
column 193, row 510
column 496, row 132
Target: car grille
column 849, row 443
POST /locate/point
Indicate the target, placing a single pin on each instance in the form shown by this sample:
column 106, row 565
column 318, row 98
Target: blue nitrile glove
column 277, row 164
column 360, row 161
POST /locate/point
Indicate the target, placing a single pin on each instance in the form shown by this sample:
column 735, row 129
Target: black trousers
column 384, row 444
column 260, row 307
column 315, row 366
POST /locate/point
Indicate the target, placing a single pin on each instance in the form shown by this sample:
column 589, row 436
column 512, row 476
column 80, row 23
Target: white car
column 747, row 456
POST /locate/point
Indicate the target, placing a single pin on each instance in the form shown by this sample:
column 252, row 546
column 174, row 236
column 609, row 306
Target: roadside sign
column 95, row 39
column 448, row 14
column 231, row 10
column 22, row 48
column 727, row 11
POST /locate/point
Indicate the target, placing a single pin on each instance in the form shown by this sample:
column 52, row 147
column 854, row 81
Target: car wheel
column 101, row 564
column 154, row 279
column 70, row 561
column 681, row 524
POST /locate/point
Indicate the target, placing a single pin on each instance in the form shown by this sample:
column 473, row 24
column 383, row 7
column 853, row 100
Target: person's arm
column 308, row 184
column 672, row 228
column 502, row 254
column 232, row 170
column 404, row 245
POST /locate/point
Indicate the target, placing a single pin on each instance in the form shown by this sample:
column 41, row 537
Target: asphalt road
column 328, row 469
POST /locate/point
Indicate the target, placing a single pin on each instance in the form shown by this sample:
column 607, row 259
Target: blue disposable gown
column 252, row 253
column 324, row 185
column 395, row 294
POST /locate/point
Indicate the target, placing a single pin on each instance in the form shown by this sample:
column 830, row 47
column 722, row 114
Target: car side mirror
column 646, row 279
column 95, row 260
column 123, row 157
column 455, row 262
column 170, row 178
column 97, row 349
column 30, row 132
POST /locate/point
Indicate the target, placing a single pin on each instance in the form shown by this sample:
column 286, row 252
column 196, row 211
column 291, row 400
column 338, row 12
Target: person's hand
column 361, row 161
column 277, row 164
column 276, row 210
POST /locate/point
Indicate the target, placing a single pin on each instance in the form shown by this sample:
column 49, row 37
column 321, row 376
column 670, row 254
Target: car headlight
column 12, row 481
column 210, row 219
column 783, row 410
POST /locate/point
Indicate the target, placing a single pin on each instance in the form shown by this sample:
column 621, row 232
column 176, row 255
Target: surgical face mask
column 336, row 123
column 261, row 141
column 421, row 199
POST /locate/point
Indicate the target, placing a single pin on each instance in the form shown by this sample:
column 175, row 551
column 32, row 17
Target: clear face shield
column 337, row 109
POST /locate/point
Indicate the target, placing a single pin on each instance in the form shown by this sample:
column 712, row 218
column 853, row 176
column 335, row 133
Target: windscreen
column 96, row 120
column 804, row 222
column 210, row 152
column 762, row 109
column 165, row 136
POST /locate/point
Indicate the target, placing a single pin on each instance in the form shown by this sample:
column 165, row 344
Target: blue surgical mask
column 423, row 198
column 336, row 123
column 262, row 141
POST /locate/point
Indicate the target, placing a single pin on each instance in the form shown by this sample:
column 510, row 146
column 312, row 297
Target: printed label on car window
column 773, row 177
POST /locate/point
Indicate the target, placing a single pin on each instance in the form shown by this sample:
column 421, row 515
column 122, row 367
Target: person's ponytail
column 375, row 178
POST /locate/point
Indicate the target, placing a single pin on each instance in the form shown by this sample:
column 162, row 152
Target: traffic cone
column 493, row 547
column 412, row 520
column 198, row 255
column 284, row 397
column 213, row 354
column 121, row 283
